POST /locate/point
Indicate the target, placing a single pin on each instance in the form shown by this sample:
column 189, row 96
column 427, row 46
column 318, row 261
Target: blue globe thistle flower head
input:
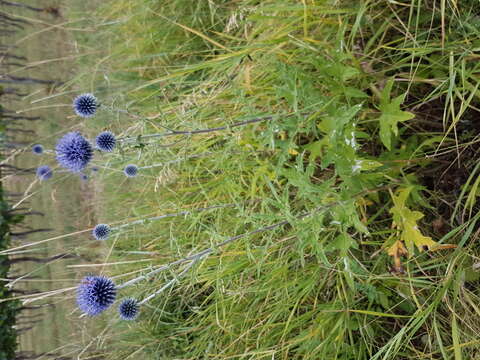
column 128, row 309
column 85, row 105
column 101, row 232
column 44, row 172
column 131, row 170
column 74, row 152
column 95, row 294
column 84, row 177
column 37, row 149
column 106, row 141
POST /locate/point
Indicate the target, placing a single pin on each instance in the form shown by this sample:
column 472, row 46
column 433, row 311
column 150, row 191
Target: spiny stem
column 177, row 160
column 185, row 212
column 201, row 155
column 208, row 251
column 170, row 283
column 199, row 131
column 132, row 115
column 201, row 254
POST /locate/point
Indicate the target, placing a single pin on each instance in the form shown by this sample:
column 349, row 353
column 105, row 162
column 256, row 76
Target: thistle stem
column 201, row 254
column 170, row 283
column 194, row 132
column 209, row 250
column 176, row 161
column 185, row 212
column 132, row 115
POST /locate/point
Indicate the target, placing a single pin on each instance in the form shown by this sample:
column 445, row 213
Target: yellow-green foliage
column 361, row 101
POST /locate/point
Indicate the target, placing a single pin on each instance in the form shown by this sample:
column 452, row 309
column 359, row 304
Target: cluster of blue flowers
column 74, row 153
column 95, row 294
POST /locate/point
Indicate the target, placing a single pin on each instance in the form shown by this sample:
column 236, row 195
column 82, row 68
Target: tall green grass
column 370, row 133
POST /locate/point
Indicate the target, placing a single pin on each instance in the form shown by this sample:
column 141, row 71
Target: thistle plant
column 103, row 231
column 130, row 170
column 37, row 149
column 44, row 172
column 193, row 258
column 169, row 133
column 105, row 141
column 73, row 152
column 128, row 309
column 85, row 105
column 368, row 114
column 95, row 294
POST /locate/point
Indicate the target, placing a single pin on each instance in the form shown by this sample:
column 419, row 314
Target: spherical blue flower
column 85, row 105
column 44, row 172
column 101, row 232
column 128, row 309
column 37, row 149
column 94, row 168
column 106, row 141
column 95, row 294
column 74, row 152
column 131, row 170
column 84, row 177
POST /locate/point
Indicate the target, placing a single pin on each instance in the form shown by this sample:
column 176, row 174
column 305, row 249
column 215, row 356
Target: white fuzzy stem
column 170, row 283
column 186, row 212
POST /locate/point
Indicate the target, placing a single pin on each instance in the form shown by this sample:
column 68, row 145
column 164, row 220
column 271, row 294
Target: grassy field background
column 353, row 193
